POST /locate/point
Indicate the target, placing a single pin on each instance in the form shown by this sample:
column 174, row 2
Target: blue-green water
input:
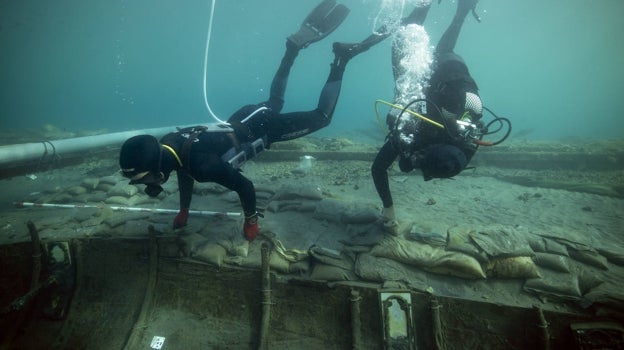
column 552, row 66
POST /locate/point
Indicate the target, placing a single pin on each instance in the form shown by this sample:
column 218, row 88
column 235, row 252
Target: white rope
column 209, row 34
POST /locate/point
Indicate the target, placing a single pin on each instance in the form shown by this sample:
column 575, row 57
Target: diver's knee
column 324, row 119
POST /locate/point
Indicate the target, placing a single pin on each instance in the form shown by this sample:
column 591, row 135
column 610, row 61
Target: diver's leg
column 280, row 80
column 343, row 53
column 288, row 126
column 417, row 16
column 331, row 90
column 449, row 38
column 320, row 22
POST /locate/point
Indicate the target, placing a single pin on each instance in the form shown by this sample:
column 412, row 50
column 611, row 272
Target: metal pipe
column 24, row 153
column 356, row 322
column 266, row 296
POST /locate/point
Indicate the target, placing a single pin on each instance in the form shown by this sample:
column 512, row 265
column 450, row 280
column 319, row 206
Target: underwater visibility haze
column 552, row 67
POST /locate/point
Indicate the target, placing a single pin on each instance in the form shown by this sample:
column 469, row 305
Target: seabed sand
column 334, row 206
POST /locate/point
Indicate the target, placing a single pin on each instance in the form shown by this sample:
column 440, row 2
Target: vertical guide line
column 214, row 116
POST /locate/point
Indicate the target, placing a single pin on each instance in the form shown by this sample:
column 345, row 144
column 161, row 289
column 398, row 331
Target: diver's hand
column 181, row 218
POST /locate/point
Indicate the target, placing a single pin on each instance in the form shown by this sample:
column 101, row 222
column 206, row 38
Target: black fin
column 323, row 20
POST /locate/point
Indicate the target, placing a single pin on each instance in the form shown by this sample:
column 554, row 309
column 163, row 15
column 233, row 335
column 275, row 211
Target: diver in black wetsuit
column 213, row 155
column 451, row 95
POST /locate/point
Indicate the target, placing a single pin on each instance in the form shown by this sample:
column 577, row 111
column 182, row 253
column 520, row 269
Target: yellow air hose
column 418, row 115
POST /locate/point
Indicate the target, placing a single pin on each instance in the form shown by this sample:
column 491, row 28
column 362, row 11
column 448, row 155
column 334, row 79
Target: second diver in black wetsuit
column 451, row 95
column 214, row 155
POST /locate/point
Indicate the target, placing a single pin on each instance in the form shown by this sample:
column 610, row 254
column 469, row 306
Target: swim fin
column 325, row 17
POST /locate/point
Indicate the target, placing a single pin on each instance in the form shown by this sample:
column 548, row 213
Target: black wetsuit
column 449, row 80
column 206, row 159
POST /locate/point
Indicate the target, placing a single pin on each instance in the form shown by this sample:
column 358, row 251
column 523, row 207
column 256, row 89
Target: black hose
column 500, row 120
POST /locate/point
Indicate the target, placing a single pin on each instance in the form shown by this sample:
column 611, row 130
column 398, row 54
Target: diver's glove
column 250, row 227
column 180, row 219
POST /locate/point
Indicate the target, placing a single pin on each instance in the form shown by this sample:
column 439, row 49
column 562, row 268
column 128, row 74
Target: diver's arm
column 379, row 170
column 185, row 185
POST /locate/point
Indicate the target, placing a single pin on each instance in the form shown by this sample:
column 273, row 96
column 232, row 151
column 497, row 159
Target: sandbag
column 76, row 190
column 302, row 206
column 360, row 214
column 458, row 240
column 588, row 279
column 324, row 272
column 377, row 269
column 211, row 253
column 117, row 220
column 554, row 247
column 433, row 259
column 468, row 249
column 237, row 247
column 581, row 252
column 331, row 257
column 330, row 209
column 555, row 286
column 537, row 244
column 299, row 267
column 110, row 180
column 608, row 294
column 501, row 241
column 139, row 200
column 613, row 256
column 123, row 190
column 431, row 238
column 117, row 200
column 554, row 262
column 102, row 186
column 298, row 192
column 590, row 257
column 512, row 267
column 278, row 263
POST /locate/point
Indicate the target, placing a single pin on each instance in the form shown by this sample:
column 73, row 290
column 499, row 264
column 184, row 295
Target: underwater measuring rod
column 120, row 208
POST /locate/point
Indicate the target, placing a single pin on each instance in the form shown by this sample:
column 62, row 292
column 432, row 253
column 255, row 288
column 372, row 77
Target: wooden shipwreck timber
column 136, row 294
